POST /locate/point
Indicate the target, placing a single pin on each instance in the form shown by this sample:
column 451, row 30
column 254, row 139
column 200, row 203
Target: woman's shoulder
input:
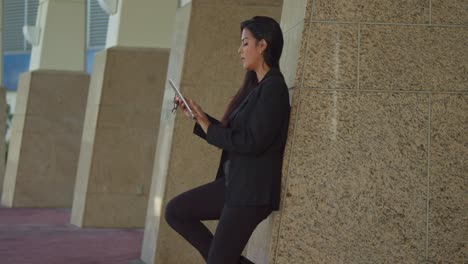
column 276, row 82
column 274, row 89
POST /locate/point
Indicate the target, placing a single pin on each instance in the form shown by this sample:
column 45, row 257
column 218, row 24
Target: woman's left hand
column 199, row 115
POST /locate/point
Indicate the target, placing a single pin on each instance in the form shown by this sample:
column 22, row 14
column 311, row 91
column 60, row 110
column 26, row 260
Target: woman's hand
column 180, row 103
column 198, row 113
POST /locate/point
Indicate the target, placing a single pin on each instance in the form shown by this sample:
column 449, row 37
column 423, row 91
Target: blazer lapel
column 271, row 72
column 236, row 111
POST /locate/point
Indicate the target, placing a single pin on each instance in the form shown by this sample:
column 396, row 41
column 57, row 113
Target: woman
column 252, row 134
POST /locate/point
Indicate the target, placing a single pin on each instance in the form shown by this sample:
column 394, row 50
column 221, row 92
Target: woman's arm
column 263, row 124
column 198, row 130
column 202, row 118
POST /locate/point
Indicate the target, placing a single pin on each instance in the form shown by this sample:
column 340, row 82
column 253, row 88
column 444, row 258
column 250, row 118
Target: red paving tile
column 44, row 236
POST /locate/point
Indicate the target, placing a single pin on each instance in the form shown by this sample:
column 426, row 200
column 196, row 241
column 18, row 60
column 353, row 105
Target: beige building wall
column 376, row 162
column 205, row 64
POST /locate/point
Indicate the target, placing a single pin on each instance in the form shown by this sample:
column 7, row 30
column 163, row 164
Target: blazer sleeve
column 198, row 130
column 257, row 133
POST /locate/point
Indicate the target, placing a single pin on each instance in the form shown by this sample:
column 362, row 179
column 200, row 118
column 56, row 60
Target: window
column 97, row 21
column 16, row 14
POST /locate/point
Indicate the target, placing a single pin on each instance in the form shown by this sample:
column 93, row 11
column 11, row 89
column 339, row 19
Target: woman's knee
column 171, row 212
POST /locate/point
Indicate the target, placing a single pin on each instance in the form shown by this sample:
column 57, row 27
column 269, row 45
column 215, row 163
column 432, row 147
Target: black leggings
column 236, row 224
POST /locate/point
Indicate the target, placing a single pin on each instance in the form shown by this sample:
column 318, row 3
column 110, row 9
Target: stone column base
column 45, row 139
column 119, row 138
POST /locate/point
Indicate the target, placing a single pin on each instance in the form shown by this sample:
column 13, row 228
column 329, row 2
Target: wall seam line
column 358, row 56
column 388, row 91
column 389, row 23
column 429, row 130
column 430, row 12
column 293, row 26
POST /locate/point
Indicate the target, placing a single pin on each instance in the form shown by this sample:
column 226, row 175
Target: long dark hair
column 268, row 29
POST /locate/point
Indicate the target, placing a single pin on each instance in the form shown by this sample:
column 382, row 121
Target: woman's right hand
column 180, row 103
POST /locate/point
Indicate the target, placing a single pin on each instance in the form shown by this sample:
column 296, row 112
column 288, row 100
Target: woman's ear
column 262, row 44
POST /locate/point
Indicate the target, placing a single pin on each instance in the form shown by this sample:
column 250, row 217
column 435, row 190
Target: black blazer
column 254, row 144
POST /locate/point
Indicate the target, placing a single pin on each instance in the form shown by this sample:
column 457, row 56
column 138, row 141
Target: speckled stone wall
column 376, row 164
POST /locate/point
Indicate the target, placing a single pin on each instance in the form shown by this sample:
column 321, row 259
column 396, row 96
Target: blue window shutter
column 16, row 14
column 97, row 25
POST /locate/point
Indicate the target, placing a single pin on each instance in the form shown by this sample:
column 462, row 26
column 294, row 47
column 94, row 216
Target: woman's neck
column 262, row 71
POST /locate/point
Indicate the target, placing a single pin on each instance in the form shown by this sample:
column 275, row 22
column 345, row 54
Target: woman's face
column 250, row 51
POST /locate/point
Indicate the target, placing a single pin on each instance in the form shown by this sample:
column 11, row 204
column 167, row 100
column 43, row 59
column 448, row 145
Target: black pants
column 236, row 224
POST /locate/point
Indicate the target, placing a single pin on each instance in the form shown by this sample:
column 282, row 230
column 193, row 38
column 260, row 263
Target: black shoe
column 244, row 260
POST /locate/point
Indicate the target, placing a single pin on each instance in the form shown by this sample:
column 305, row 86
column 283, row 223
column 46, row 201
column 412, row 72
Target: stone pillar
column 122, row 117
column 3, row 104
column 293, row 23
column 49, row 113
column 62, row 26
column 205, row 64
column 148, row 23
column 376, row 162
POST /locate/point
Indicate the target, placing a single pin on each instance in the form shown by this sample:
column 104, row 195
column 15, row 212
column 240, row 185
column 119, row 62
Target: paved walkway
column 44, row 236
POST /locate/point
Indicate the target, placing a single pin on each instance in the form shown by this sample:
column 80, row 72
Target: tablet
column 181, row 97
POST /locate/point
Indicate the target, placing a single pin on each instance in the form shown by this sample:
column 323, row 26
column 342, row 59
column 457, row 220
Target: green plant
column 9, row 117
